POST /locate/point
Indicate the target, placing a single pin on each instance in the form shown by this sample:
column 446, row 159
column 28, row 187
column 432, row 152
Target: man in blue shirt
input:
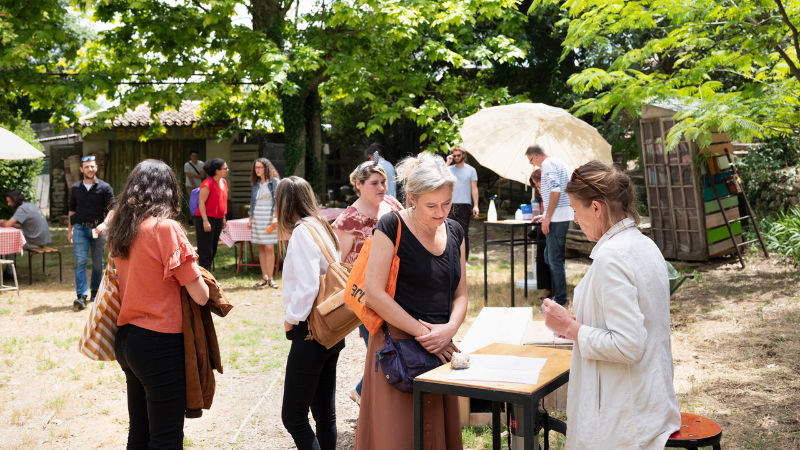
column 465, row 191
column 373, row 153
column 556, row 218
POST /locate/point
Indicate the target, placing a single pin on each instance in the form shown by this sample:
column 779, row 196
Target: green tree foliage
column 733, row 64
column 277, row 69
column 39, row 40
column 19, row 174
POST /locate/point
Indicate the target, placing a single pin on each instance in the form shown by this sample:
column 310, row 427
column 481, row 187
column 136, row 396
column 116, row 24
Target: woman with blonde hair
column 310, row 381
column 263, row 179
column 429, row 305
column 621, row 371
column 153, row 258
column 355, row 224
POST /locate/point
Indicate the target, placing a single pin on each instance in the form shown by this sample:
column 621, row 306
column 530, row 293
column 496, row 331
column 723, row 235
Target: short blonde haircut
column 424, row 173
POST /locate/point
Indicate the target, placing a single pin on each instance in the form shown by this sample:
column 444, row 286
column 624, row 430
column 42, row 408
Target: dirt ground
column 736, row 342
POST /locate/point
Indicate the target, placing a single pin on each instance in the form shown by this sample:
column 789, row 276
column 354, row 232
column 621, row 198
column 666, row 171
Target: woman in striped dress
column 264, row 179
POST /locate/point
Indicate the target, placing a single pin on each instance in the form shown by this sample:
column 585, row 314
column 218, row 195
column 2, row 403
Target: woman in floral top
column 354, row 225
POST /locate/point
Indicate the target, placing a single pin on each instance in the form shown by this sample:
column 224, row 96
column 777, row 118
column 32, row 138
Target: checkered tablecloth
column 11, row 240
column 237, row 230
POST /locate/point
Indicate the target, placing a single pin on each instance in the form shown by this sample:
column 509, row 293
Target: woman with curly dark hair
column 153, row 258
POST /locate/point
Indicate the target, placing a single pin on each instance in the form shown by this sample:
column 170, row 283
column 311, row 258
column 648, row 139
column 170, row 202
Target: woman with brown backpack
column 310, row 381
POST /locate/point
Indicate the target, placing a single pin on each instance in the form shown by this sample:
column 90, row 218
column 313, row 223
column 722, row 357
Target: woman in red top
column 153, row 258
column 209, row 219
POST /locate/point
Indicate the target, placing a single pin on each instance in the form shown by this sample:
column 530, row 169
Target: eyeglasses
column 575, row 175
column 87, row 158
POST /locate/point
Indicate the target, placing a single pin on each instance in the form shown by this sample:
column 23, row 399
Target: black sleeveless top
column 424, row 288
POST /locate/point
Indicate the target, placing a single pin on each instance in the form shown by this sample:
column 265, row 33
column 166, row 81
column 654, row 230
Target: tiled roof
column 140, row 117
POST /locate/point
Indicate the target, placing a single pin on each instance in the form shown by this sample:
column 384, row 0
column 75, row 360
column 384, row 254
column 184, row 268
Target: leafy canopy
column 422, row 60
column 733, row 64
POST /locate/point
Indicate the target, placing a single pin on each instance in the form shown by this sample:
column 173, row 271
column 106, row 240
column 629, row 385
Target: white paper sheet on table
column 500, row 368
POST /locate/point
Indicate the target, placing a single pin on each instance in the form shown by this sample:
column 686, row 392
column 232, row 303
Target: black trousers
column 462, row 213
column 544, row 278
column 153, row 363
column 310, row 383
column 207, row 241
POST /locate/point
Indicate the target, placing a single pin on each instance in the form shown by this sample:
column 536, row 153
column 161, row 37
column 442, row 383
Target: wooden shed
column 685, row 217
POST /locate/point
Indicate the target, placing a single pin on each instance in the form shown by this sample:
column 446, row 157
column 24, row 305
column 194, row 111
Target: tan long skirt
column 386, row 418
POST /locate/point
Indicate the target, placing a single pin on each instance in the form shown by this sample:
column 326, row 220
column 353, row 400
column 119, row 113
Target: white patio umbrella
column 14, row 147
column 498, row 136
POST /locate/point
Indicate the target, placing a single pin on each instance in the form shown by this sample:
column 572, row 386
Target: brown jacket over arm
column 200, row 345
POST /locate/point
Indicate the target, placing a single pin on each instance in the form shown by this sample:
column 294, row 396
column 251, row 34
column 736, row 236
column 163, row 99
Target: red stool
column 696, row 431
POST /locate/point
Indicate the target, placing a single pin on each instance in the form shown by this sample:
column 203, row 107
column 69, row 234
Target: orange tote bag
column 355, row 292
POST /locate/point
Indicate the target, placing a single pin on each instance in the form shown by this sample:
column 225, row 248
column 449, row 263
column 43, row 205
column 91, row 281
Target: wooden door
column 124, row 155
column 672, row 193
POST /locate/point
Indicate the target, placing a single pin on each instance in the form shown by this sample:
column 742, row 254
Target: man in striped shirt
column 555, row 220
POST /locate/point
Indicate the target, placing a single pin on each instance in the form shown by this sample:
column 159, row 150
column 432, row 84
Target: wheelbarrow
column 676, row 278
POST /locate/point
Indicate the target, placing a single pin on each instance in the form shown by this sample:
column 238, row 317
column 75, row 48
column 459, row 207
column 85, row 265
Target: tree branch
column 788, row 22
column 197, row 3
column 792, row 66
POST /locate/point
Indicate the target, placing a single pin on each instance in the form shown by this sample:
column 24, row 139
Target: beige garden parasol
column 498, row 136
column 14, row 147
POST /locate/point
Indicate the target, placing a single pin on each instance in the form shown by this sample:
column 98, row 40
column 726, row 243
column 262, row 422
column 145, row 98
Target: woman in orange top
column 212, row 206
column 153, row 258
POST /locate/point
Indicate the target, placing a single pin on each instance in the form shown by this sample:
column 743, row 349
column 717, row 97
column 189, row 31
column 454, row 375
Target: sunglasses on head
column 576, row 175
column 367, row 164
column 87, row 158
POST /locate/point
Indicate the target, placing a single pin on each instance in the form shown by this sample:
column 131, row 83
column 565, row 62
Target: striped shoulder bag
column 97, row 340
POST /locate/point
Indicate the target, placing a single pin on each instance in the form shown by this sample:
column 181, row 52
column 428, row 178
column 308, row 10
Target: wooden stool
column 43, row 251
column 3, row 286
column 696, row 431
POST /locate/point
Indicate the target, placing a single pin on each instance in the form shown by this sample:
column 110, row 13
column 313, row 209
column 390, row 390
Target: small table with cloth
column 237, row 231
column 554, row 374
column 11, row 240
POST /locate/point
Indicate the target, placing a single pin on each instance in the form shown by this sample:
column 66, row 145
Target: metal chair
column 3, row 286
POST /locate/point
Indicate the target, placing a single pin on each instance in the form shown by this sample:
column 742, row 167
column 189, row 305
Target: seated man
column 29, row 218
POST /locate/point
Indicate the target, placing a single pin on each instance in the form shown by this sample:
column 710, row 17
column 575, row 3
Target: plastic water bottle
column 535, row 206
column 491, row 216
column 518, row 214
column 527, row 212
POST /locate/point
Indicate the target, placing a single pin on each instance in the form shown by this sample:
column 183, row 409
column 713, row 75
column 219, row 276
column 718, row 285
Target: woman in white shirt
column 310, row 381
column 620, row 391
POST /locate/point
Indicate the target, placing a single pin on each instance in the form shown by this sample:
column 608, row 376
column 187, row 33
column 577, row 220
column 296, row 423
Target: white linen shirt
column 302, row 267
column 620, row 392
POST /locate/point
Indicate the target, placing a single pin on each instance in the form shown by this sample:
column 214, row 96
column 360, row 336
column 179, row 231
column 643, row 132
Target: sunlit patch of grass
column 4, row 311
column 248, row 338
column 57, row 402
column 232, row 359
column 19, row 416
column 66, row 343
column 44, row 363
column 10, row 345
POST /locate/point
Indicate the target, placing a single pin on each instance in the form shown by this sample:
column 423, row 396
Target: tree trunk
column 315, row 170
column 294, row 132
